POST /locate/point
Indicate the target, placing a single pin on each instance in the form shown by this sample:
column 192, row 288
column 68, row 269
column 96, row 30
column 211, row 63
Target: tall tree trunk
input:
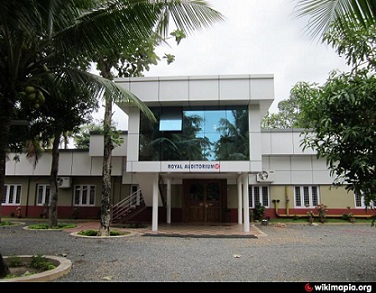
column 52, row 211
column 104, row 229
column 4, row 269
column 104, row 67
column 5, row 122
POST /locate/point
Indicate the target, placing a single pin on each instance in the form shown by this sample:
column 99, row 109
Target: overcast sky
column 257, row 37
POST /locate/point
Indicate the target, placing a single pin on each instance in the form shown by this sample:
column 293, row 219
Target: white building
column 205, row 160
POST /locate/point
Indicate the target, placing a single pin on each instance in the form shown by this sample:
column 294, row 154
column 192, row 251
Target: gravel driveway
column 294, row 253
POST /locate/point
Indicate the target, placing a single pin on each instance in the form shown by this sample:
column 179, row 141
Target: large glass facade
column 200, row 134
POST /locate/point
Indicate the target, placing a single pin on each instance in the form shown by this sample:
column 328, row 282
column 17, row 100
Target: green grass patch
column 7, row 223
column 41, row 263
column 15, row 261
column 92, row 232
column 37, row 264
column 46, row 226
column 303, row 220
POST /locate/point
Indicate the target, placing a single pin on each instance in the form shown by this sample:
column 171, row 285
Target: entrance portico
column 204, row 198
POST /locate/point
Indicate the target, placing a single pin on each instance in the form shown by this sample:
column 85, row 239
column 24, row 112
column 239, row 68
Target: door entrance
column 203, row 200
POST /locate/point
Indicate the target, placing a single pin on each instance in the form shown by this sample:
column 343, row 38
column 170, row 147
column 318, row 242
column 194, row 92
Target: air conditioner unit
column 63, row 182
column 265, row 176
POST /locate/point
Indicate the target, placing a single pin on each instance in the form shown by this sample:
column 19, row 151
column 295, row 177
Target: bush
column 15, row 261
column 258, row 211
column 41, row 263
column 92, row 232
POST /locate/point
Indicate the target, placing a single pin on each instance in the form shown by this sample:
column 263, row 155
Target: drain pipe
column 287, row 202
column 276, row 201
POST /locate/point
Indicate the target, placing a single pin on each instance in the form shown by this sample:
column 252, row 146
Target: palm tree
column 187, row 16
column 40, row 39
column 324, row 12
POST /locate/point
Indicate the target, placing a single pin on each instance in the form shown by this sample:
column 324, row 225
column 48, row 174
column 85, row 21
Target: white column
column 168, row 200
column 246, row 202
column 240, row 201
column 154, row 221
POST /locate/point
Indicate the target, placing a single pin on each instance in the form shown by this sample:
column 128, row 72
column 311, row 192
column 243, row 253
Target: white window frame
column 307, row 197
column 360, row 198
column 84, row 195
column 43, row 196
column 259, row 193
column 12, row 194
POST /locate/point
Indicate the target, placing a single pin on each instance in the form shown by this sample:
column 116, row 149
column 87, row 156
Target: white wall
column 71, row 163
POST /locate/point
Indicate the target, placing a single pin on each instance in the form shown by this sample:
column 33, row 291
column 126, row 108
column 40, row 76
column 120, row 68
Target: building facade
column 206, row 160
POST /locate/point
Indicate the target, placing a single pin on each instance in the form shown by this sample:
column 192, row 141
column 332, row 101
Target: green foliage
column 89, row 232
column 347, row 216
column 48, row 48
column 343, row 132
column 355, row 42
column 82, row 137
column 46, row 226
column 38, row 262
column 15, row 261
column 130, row 58
column 373, row 219
column 289, row 113
column 332, row 220
column 322, row 210
column 323, row 13
column 179, row 35
column 41, row 263
column 6, row 223
column 341, row 114
column 169, row 57
column 92, row 232
column 311, row 216
column 258, row 212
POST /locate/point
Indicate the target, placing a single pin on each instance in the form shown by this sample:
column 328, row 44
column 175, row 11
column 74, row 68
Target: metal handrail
column 125, row 206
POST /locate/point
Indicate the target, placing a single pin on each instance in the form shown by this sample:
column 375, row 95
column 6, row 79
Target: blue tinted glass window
column 195, row 133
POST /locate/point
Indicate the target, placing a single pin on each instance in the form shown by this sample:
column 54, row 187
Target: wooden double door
column 204, row 200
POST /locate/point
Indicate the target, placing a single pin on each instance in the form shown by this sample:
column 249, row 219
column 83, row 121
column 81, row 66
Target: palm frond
column 132, row 20
column 33, row 151
column 324, row 12
column 97, row 86
column 187, row 15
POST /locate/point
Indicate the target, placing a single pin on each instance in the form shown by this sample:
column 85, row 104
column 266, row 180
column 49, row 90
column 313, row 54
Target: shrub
column 15, row 261
column 258, row 211
column 40, row 262
column 322, row 210
column 92, row 232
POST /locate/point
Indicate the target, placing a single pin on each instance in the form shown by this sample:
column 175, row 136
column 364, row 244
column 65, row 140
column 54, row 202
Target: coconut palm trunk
column 104, row 229
column 52, row 211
